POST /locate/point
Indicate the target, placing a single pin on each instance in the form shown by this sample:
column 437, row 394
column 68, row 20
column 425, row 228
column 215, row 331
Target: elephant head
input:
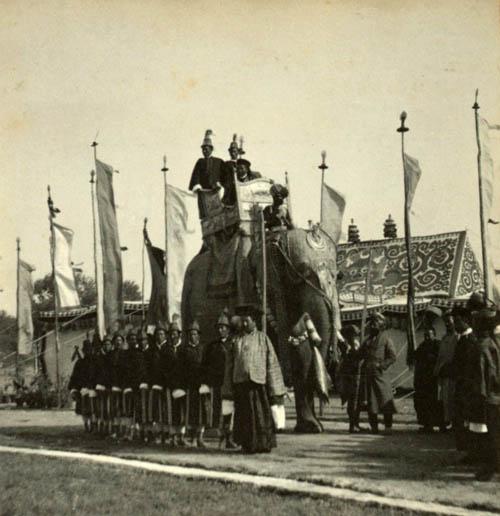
column 301, row 277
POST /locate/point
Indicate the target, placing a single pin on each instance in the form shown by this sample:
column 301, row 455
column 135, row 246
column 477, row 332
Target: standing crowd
column 457, row 383
column 172, row 385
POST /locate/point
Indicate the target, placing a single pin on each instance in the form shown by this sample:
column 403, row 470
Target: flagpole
column 18, row 250
column 486, row 278
column 365, row 300
column 165, row 196
column 143, row 272
column 56, row 301
column 264, row 272
column 410, row 293
column 289, row 203
column 322, row 167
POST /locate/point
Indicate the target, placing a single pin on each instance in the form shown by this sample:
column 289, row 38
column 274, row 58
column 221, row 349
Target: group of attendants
column 212, row 174
column 457, row 383
column 171, row 385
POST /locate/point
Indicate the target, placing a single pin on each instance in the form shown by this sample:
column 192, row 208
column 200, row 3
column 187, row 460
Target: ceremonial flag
column 332, row 212
column 183, row 241
column 67, row 295
column 110, row 250
column 491, row 208
column 157, row 301
column 412, row 177
column 24, row 303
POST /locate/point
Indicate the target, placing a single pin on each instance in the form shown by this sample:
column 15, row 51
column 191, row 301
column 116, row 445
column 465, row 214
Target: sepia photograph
column 250, row 257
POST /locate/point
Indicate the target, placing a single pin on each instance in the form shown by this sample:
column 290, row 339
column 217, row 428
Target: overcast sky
column 292, row 77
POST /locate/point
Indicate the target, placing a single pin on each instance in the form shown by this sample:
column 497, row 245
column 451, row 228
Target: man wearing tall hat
column 198, row 392
column 155, row 376
column 214, row 366
column 229, row 173
column 277, row 215
column 484, row 414
column 379, row 354
column 174, row 374
column 208, row 171
column 255, row 381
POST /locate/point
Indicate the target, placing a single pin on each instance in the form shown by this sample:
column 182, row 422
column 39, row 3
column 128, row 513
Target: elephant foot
column 308, row 427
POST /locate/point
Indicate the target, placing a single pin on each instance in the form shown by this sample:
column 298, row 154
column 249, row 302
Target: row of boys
column 155, row 386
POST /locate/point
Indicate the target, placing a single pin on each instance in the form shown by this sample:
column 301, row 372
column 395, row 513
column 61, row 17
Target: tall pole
column 165, row 194
column 264, row 272
column 486, row 275
column 94, row 234
column 18, row 249
column 367, row 290
column 410, row 300
column 56, row 300
column 322, row 167
column 143, row 311
column 289, row 203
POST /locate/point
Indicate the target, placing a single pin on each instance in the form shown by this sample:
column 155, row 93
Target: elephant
column 301, row 277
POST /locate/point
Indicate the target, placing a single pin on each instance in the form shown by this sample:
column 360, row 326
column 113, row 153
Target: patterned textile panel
column 443, row 265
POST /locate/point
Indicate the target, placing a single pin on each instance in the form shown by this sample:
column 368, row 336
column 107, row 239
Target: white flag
column 24, row 313
column 184, row 241
column 491, row 208
column 67, row 295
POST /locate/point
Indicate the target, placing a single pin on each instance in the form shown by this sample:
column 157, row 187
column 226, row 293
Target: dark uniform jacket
column 174, row 373
column 140, row 367
column 104, row 369
column 125, row 371
column 83, row 375
column 207, row 173
column 214, row 362
column 461, row 369
column 192, row 362
column 154, row 365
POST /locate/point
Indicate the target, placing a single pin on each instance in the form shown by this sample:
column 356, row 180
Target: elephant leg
column 303, row 390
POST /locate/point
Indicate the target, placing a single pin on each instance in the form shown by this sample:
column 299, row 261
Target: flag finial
column 164, row 169
column 92, row 176
column 475, row 107
column 323, row 165
column 402, row 128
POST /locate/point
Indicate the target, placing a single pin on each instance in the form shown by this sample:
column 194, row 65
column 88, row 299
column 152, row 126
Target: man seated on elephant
column 277, row 215
column 379, row 354
column 244, row 174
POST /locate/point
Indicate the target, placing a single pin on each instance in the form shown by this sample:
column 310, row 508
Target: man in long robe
column 350, row 376
column 443, row 371
column 254, row 379
column 484, row 414
column 425, row 398
column 461, row 374
column 379, row 354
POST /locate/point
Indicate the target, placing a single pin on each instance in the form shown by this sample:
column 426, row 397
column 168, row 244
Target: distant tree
column 43, row 291
column 8, row 333
column 131, row 291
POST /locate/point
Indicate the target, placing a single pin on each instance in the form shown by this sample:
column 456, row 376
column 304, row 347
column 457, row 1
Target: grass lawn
column 404, row 465
column 43, row 486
